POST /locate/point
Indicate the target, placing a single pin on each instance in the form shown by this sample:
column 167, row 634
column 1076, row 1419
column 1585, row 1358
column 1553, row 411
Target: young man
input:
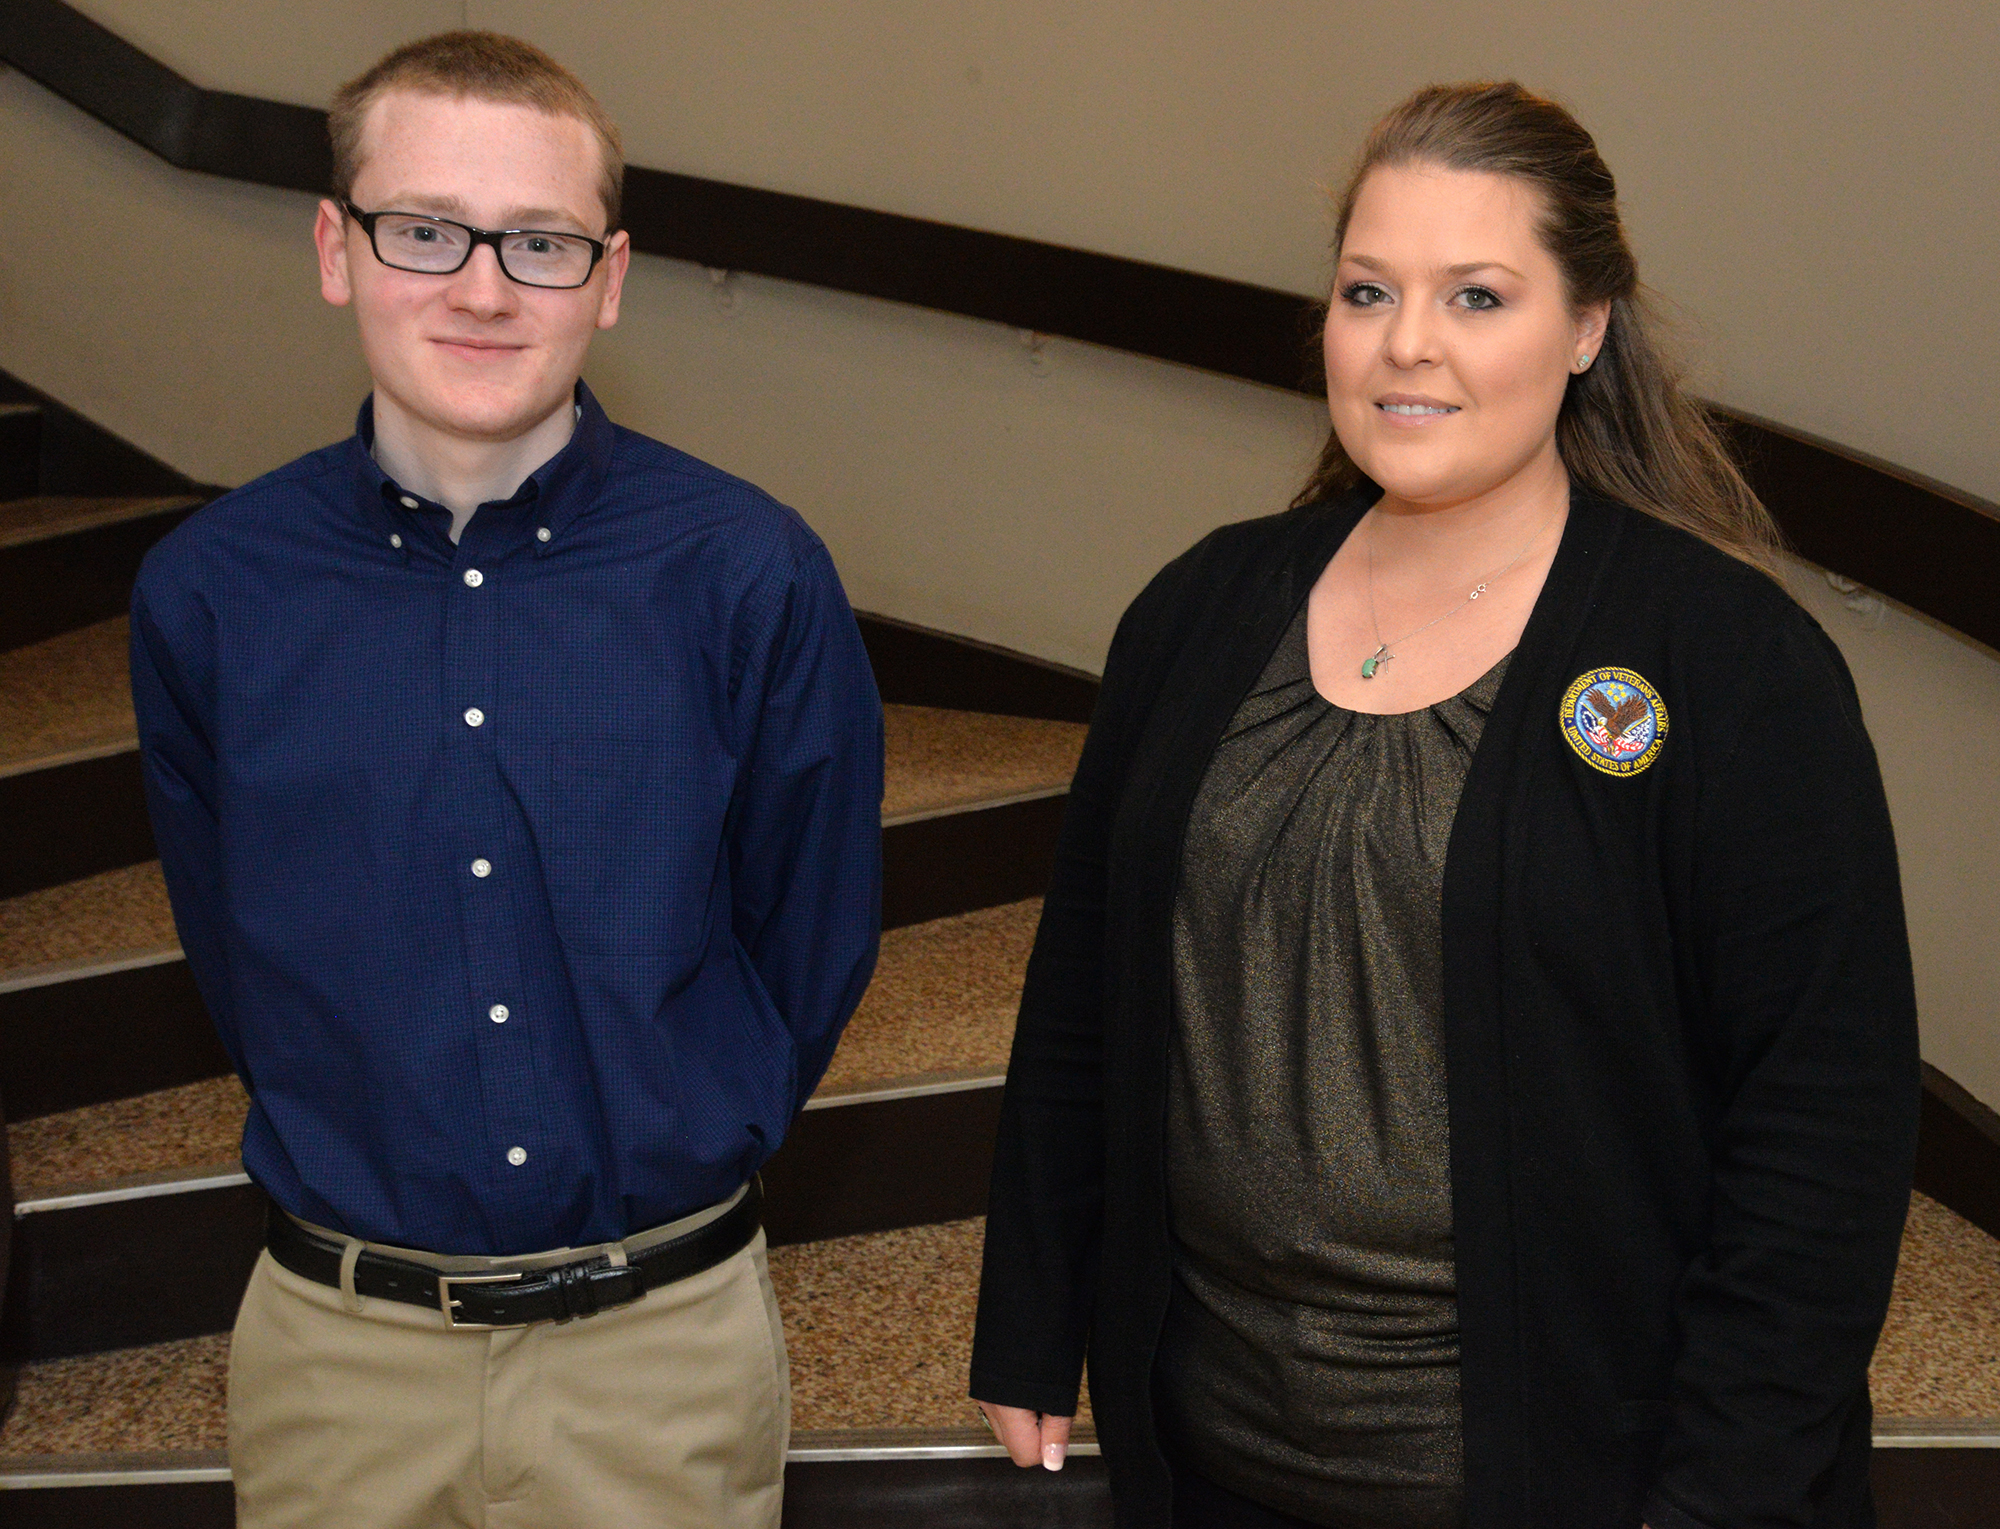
column 517, row 781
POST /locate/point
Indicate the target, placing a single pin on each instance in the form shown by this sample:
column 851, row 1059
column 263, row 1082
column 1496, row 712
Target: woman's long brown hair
column 1627, row 430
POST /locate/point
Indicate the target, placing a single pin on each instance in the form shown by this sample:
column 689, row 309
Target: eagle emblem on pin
column 1614, row 720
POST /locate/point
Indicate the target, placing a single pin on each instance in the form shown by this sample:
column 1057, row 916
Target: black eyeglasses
column 535, row 257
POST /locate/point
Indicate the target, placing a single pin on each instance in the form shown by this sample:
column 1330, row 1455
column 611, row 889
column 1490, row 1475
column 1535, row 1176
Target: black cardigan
column 1680, row 1040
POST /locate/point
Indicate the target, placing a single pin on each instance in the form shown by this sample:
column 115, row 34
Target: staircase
column 123, row 1118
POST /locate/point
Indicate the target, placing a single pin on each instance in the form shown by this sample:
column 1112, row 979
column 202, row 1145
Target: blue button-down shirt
column 529, row 880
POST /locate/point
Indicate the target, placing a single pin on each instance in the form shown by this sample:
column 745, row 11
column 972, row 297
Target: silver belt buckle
column 448, row 1306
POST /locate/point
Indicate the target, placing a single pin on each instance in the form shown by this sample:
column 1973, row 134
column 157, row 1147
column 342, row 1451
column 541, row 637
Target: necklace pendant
column 1381, row 656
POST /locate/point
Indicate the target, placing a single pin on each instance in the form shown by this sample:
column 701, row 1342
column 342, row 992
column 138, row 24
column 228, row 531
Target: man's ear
column 617, row 257
column 330, row 232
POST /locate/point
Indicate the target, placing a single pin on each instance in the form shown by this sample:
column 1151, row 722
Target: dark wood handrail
column 1922, row 543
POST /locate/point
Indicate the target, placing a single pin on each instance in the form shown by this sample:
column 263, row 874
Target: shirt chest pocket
column 631, row 844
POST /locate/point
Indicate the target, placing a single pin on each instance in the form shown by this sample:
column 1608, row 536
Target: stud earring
column 1582, row 362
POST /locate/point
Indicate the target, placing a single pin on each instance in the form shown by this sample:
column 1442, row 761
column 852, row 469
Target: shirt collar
column 563, row 487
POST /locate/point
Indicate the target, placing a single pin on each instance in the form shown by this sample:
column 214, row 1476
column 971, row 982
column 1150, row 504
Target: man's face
column 473, row 355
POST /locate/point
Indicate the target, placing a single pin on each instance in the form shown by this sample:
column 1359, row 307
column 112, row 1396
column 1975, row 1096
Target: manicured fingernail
column 1052, row 1456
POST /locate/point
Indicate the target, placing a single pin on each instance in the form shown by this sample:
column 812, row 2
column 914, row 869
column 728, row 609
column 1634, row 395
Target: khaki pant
column 672, row 1411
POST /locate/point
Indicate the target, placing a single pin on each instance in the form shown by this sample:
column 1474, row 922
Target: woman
column 1467, row 1071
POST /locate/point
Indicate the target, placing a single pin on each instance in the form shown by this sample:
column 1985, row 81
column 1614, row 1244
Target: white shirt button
column 409, row 503
column 517, row 1155
column 542, row 534
column 474, row 578
column 498, row 1014
column 395, row 541
column 474, row 716
column 482, row 867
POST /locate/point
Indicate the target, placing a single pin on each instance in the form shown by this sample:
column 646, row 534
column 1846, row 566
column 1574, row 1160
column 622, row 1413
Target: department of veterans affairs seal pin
column 1614, row 720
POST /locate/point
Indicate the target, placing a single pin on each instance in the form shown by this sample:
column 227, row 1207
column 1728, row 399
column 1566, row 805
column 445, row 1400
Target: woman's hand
column 1032, row 1438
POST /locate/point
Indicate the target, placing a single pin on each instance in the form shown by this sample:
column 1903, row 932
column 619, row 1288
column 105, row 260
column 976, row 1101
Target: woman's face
column 1450, row 339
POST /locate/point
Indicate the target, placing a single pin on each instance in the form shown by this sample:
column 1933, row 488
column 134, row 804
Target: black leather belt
column 519, row 1297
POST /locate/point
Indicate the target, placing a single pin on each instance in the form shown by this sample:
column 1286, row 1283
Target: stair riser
column 961, row 861
column 1914, row 1489
column 72, row 821
column 173, row 1266
column 20, row 452
column 199, row 1505
column 868, row 1494
column 111, row 1036
column 55, row 586
column 131, row 1272
column 915, row 666
column 95, row 1039
column 75, row 820
column 855, row 1168
column 929, row 1494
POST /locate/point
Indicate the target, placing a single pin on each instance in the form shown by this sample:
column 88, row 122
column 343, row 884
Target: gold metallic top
column 1310, row 1357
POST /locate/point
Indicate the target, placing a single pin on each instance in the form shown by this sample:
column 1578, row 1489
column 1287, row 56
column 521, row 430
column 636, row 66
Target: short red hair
column 484, row 66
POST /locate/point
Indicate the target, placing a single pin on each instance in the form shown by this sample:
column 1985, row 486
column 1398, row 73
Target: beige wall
column 1812, row 183
column 1817, row 183
column 1932, row 703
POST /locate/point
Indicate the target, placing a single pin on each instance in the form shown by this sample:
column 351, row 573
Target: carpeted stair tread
column 1940, row 1351
column 166, row 1396
column 935, row 764
column 880, row 1331
column 879, row 1328
column 940, row 759
column 98, row 918
column 65, row 694
column 73, row 692
column 43, row 516
column 943, row 998
column 198, row 1125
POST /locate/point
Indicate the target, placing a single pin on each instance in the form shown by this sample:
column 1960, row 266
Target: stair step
column 900, row 1133
column 942, row 1000
column 172, row 1130
column 938, row 760
column 45, row 517
column 942, row 1003
column 880, row 1329
column 97, row 1004
column 66, row 695
column 971, row 815
column 69, row 777
column 96, row 919
column 1939, row 1356
column 72, row 693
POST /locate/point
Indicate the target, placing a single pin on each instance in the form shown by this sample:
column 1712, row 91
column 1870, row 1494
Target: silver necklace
column 1382, row 655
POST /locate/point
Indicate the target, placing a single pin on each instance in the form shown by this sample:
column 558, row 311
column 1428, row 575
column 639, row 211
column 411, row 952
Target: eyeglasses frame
column 479, row 236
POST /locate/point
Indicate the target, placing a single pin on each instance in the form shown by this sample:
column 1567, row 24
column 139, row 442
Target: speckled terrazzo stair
column 880, row 1328
column 95, row 1003
column 95, row 919
column 916, row 1074
column 941, row 1006
column 64, row 695
column 70, row 695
